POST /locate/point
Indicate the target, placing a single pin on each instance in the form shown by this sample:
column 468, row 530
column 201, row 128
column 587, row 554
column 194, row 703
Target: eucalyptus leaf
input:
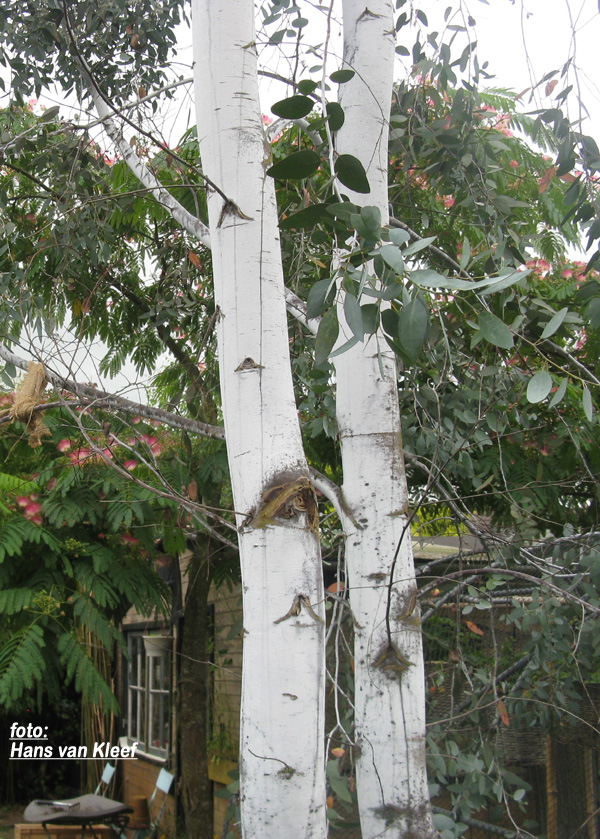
column 588, row 407
column 559, row 395
column 336, row 116
column 495, row 331
column 300, row 164
column 342, row 76
column 370, row 317
column 320, row 297
column 351, row 173
column 307, row 217
column 50, row 113
column 392, row 256
column 413, row 325
column 326, row 336
column 399, row 236
column 371, row 218
column 295, row 107
column 539, row 386
column 353, row 314
column 554, row 323
column 419, row 245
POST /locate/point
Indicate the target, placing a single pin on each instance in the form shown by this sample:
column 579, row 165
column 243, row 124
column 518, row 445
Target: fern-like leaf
column 80, row 669
column 22, row 663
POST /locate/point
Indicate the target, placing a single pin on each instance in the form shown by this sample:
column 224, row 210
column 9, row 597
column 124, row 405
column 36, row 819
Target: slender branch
column 394, row 222
column 297, row 307
column 333, row 493
column 521, row 575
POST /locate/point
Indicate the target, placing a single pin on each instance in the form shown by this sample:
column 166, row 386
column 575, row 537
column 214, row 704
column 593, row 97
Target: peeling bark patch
column 288, row 501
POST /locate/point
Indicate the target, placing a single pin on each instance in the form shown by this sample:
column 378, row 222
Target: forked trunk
column 281, row 748
column 389, row 673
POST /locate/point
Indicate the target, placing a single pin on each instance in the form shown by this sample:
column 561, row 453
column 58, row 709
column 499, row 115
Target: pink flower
column 267, row 120
column 23, row 501
column 129, row 539
column 64, row 445
column 135, row 420
column 32, row 509
column 448, row 201
column 79, row 455
column 130, row 465
column 514, row 164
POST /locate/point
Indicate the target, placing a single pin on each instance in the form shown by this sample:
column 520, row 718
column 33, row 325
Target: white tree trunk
column 389, row 674
column 282, row 725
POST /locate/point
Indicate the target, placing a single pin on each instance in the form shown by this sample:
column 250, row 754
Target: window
column 148, row 697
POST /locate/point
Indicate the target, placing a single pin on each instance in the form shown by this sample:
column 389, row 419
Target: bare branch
column 94, row 397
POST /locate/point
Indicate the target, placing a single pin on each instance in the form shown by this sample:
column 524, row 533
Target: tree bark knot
column 391, row 659
column 280, row 504
column 295, row 609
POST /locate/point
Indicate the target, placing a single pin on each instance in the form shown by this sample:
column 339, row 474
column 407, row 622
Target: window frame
column 147, row 705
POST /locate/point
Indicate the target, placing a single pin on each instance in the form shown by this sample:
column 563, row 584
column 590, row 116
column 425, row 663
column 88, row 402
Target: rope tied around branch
column 27, row 397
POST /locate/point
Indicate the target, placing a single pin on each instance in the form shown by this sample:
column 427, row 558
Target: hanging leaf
column 49, row 113
column 370, row 317
column 588, row 407
column 546, row 179
column 336, row 116
column 295, row 107
column 495, row 331
column 300, row 164
column 558, row 396
column 399, row 236
column 539, row 386
column 320, row 297
column 326, row 336
column 413, row 324
column 554, row 323
column 392, row 256
column 341, row 76
column 474, row 628
column 371, row 218
column 351, row 173
column 307, row 86
column 307, row 217
column 503, row 713
column 353, row 314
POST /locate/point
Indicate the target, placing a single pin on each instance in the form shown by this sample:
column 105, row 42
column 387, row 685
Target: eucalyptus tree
column 377, row 292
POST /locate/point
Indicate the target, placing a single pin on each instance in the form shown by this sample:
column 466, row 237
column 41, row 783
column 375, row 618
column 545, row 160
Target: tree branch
column 333, row 493
column 95, row 397
column 144, row 174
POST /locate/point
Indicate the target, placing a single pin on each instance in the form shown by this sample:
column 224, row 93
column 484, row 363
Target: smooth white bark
column 282, row 725
column 389, row 673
